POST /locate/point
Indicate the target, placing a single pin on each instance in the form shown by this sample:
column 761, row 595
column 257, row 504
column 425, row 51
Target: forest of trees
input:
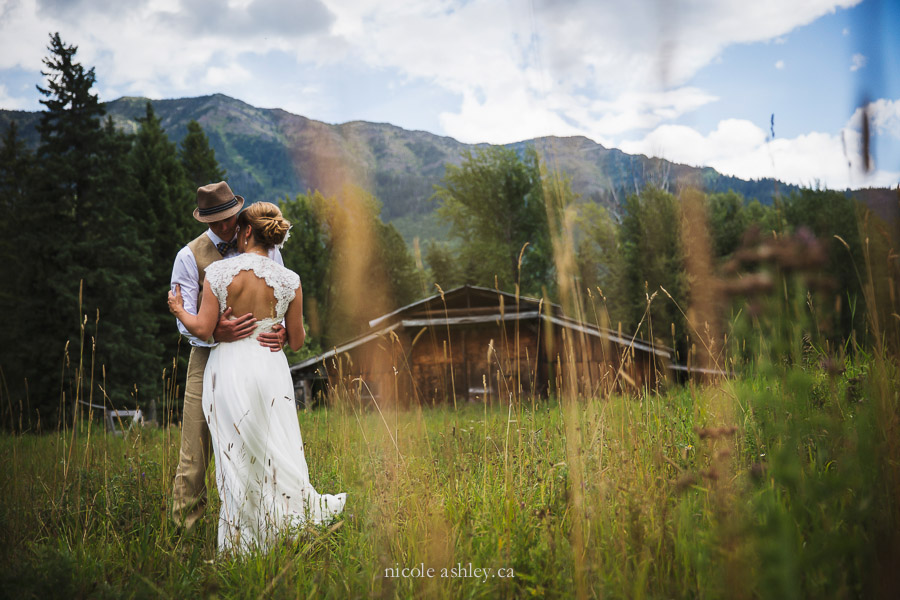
column 504, row 208
column 94, row 218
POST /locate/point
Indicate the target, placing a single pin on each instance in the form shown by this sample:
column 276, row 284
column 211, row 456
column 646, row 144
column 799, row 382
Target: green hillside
column 270, row 154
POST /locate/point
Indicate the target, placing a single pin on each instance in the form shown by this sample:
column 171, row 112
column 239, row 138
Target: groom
column 218, row 207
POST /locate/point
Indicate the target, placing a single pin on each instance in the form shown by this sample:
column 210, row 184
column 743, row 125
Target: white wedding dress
column 248, row 401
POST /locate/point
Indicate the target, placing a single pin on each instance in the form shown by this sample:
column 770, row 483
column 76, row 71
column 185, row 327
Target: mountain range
column 270, row 153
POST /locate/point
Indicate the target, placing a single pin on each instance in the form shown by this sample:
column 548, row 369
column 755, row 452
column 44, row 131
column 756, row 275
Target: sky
column 769, row 88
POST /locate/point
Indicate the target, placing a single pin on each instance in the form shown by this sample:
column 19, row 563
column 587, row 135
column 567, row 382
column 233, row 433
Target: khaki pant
column 189, row 493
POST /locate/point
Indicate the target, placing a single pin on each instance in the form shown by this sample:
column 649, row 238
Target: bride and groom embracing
column 239, row 396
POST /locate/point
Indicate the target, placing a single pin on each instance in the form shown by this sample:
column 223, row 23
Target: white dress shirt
column 186, row 274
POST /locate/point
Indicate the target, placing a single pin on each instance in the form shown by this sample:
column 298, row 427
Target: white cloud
column 665, row 42
column 884, row 122
column 858, row 62
column 480, row 121
column 216, row 77
column 521, row 68
column 884, row 115
column 779, row 64
column 741, row 148
column 884, row 118
column 732, row 138
column 11, row 102
column 23, row 36
column 582, row 60
column 162, row 48
column 483, row 119
column 599, row 68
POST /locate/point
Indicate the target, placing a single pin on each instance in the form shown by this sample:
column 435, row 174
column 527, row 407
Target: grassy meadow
column 773, row 485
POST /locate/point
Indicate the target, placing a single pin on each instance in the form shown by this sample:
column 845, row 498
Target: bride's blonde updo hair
column 266, row 222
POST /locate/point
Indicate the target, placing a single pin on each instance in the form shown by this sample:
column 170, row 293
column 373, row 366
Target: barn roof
column 469, row 304
column 464, row 298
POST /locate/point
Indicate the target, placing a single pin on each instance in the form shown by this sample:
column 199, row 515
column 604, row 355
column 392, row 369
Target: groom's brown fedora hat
column 216, row 202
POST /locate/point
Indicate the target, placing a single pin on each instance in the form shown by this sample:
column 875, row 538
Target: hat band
column 204, row 212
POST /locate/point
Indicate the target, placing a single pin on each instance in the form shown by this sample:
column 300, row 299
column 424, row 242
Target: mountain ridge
column 269, row 153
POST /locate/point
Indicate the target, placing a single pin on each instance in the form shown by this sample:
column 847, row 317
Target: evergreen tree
column 81, row 261
column 318, row 224
column 404, row 283
column 61, row 210
column 16, row 163
column 16, row 175
column 827, row 214
column 444, row 266
column 70, row 128
column 199, row 159
column 308, row 253
column 16, row 166
column 652, row 255
column 117, row 282
column 599, row 261
column 167, row 196
column 166, row 223
column 727, row 222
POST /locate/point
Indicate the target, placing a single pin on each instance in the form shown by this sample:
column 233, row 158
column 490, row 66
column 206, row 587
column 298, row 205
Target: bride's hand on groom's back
column 231, row 330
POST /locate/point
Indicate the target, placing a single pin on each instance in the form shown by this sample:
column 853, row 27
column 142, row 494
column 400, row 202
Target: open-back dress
column 248, row 401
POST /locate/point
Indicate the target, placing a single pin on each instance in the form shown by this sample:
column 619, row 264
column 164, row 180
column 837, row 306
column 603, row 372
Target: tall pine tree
column 16, row 173
column 68, row 158
column 653, row 257
column 198, row 158
column 167, row 223
column 117, row 278
column 82, row 261
column 308, row 253
column 16, row 170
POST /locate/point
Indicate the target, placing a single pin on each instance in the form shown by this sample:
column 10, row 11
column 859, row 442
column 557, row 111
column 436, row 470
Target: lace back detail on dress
column 283, row 282
column 264, row 325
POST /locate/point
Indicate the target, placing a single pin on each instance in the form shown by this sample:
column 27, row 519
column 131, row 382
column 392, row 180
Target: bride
column 248, row 395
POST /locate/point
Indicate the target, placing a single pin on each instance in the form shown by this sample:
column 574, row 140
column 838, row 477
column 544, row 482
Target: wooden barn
column 474, row 343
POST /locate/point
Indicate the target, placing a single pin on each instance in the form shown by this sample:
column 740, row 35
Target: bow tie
column 224, row 247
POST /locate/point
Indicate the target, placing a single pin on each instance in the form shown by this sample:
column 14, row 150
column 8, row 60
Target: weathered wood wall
column 490, row 362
